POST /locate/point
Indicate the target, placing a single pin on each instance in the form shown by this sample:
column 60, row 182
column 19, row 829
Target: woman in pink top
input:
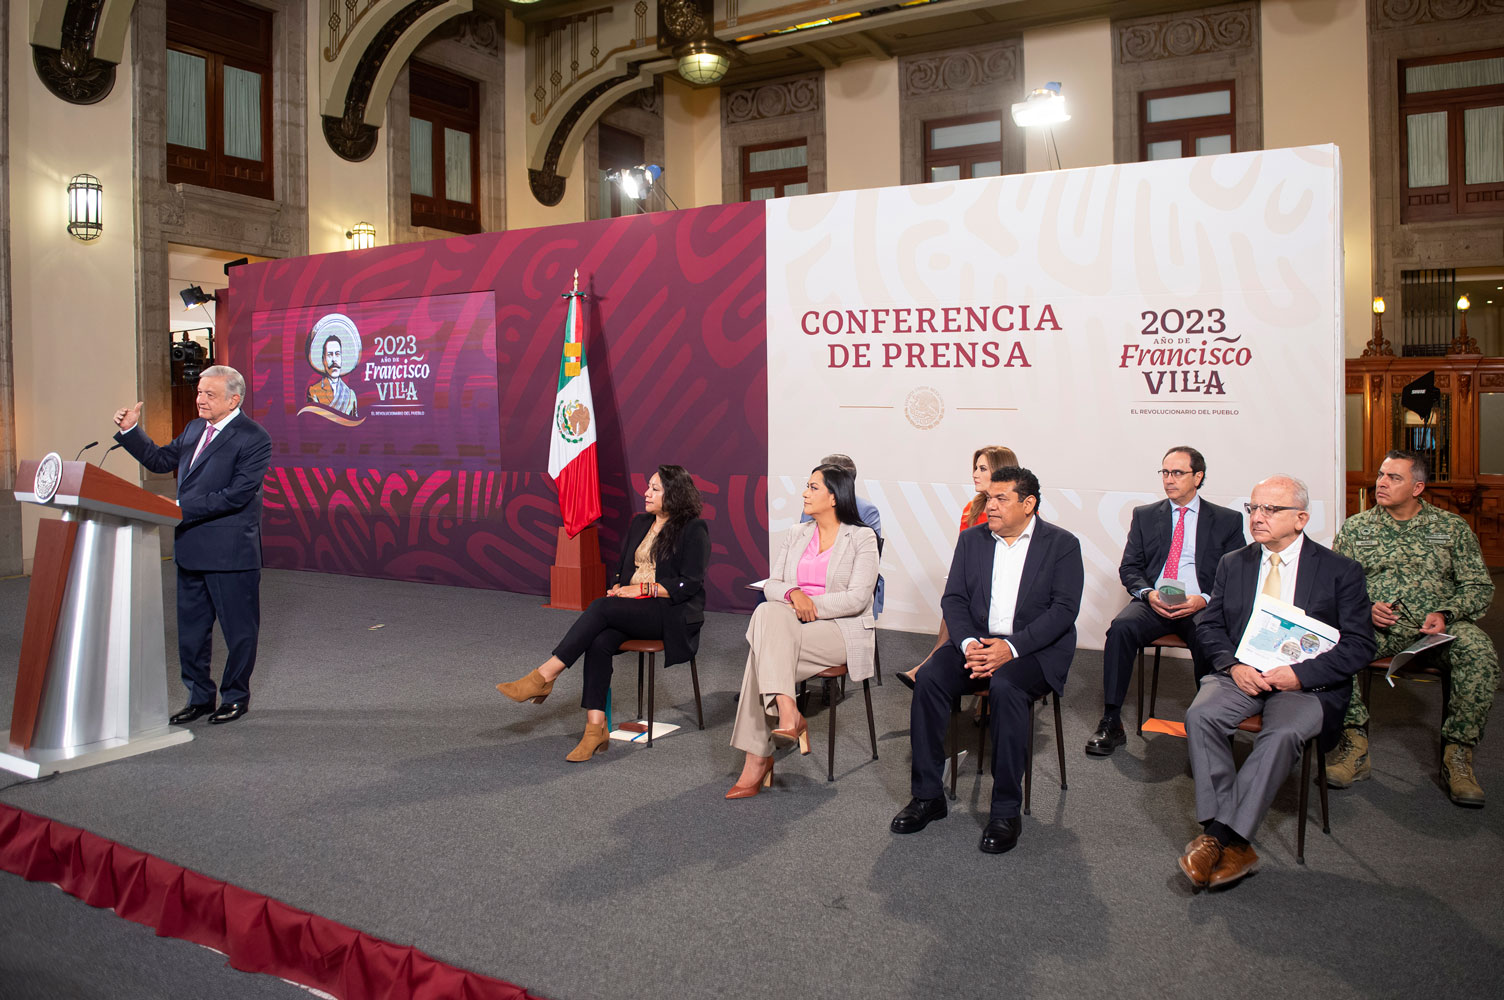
column 983, row 461
column 816, row 613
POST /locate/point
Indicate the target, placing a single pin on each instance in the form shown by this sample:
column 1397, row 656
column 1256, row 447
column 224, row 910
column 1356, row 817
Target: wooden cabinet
column 1463, row 438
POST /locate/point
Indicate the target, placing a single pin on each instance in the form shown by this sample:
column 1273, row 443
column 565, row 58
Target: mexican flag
column 571, row 446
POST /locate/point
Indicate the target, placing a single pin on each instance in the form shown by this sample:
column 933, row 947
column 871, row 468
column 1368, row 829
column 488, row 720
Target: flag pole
column 577, row 576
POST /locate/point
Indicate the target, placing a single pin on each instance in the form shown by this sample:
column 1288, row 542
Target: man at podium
column 220, row 460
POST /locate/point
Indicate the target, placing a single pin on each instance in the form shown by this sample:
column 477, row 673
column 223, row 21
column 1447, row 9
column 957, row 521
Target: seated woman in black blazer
column 658, row 592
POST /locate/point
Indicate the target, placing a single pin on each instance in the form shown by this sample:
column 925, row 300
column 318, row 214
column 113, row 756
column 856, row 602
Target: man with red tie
column 221, row 459
column 1176, row 544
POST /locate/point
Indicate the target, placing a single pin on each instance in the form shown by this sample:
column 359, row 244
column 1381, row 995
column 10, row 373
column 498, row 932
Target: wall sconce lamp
column 85, row 207
column 1377, row 345
column 363, row 235
column 1463, row 344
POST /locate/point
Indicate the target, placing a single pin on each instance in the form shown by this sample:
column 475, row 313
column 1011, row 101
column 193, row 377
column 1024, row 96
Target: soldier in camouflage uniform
column 1428, row 561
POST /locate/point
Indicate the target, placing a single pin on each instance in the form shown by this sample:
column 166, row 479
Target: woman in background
column 657, row 592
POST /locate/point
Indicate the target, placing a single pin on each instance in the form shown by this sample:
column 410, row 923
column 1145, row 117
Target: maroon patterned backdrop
column 675, row 338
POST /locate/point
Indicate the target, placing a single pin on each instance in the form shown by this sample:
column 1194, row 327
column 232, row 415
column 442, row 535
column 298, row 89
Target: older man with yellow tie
column 1296, row 701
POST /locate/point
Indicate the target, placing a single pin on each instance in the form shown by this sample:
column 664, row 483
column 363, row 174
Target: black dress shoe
column 1108, row 737
column 918, row 814
column 906, row 680
column 229, row 712
column 190, row 713
column 1001, row 835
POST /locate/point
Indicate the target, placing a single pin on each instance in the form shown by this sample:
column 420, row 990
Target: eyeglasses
column 1267, row 509
column 1404, row 615
column 1173, row 473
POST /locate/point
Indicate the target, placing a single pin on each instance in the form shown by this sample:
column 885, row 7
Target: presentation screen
column 404, row 383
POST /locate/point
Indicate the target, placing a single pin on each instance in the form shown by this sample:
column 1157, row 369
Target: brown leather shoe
column 1237, row 861
column 1201, row 856
column 758, row 782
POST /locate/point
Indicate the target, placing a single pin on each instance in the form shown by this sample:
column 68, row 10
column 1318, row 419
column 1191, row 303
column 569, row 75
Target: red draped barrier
column 258, row 934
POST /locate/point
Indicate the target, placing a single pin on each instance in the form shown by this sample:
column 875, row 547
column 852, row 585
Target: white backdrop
column 1088, row 319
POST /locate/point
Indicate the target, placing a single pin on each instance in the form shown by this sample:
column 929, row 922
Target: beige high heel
column 595, row 740
column 531, row 688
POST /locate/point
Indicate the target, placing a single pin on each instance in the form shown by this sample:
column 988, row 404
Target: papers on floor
column 1410, row 652
column 639, row 732
column 1280, row 634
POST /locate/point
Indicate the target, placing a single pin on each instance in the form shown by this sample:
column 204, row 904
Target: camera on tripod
column 189, row 357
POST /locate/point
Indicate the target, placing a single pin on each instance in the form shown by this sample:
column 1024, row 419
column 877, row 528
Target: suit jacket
column 1049, row 596
column 1219, row 530
column 850, row 579
column 220, row 496
column 682, row 574
column 1328, row 587
column 872, row 518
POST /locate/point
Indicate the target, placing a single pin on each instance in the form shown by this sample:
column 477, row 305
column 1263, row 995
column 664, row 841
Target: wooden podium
column 92, row 685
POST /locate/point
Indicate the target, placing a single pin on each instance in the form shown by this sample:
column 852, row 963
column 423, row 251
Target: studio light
column 194, row 296
column 363, row 235
column 1044, row 106
column 704, row 61
column 636, row 182
column 85, row 207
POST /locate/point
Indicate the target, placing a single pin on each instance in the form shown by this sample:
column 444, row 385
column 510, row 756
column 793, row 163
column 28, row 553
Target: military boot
column 1349, row 762
column 1457, row 772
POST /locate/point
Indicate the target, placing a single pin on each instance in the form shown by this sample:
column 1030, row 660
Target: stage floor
column 379, row 780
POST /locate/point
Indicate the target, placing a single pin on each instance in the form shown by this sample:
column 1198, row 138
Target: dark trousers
column 1135, row 627
column 234, row 598
column 599, row 632
column 1013, row 689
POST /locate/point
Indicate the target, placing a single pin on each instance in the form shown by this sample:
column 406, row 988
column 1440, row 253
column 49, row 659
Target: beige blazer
column 849, row 582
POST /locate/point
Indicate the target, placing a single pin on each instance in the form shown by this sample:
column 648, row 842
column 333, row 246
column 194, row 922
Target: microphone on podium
column 85, row 448
column 107, row 454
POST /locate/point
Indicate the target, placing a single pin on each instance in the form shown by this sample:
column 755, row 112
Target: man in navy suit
column 1181, row 539
column 1297, row 701
column 220, row 459
column 1010, row 604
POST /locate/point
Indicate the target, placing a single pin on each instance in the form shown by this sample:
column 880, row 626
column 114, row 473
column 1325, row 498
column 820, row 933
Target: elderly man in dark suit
column 1297, row 701
column 1178, row 540
column 221, row 459
column 1010, row 605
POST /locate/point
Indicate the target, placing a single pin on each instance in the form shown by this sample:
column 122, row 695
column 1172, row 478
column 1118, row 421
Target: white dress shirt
column 1007, row 575
column 1289, row 565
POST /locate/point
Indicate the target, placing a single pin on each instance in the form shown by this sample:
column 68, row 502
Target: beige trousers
column 782, row 652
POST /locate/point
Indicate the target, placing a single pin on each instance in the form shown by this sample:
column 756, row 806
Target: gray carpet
column 380, row 781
